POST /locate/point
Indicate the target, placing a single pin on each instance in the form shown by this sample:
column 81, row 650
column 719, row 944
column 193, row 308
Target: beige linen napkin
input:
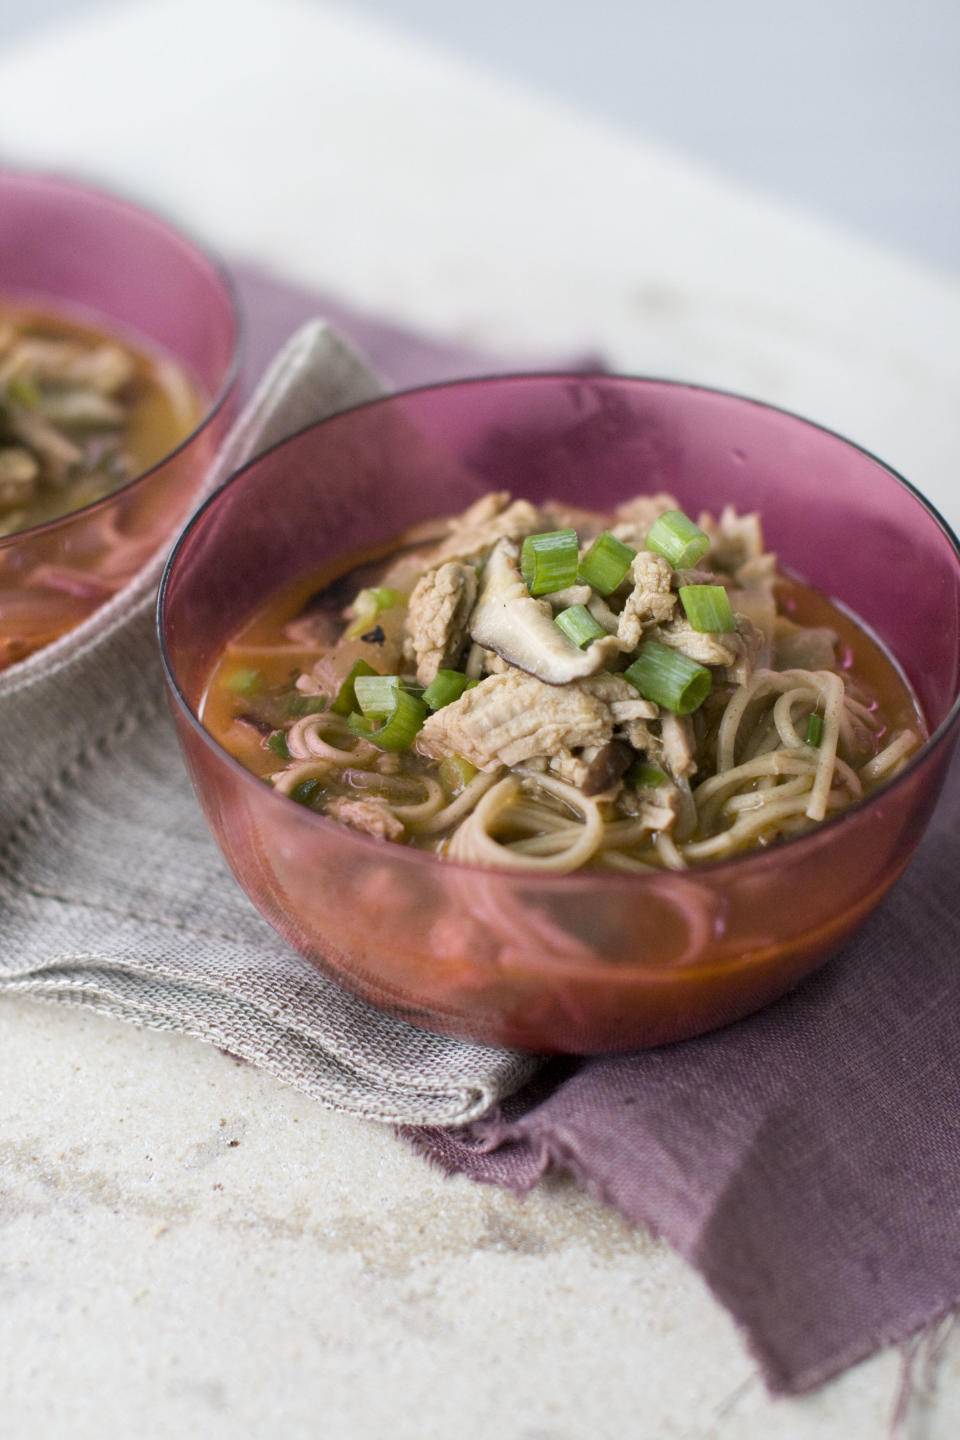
column 114, row 896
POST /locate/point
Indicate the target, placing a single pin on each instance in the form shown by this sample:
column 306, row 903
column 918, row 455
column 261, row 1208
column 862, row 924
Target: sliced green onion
column 814, row 733
column 549, row 561
column 677, row 539
column 277, row 742
column 578, row 625
column 445, row 687
column 244, row 681
column 640, row 774
column 345, row 700
column 305, row 792
column 377, row 694
column 399, row 728
column 605, row 564
column 707, row 607
column 455, row 774
column 669, row 678
column 367, row 605
column 300, row 705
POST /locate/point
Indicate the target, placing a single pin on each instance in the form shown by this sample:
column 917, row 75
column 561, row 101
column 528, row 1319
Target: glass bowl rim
column 550, row 881
column 218, row 400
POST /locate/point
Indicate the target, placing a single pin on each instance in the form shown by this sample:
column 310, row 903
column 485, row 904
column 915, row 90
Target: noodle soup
column 82, row 413
column 550, row 689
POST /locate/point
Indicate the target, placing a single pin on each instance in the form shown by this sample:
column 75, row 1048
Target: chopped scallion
column 549, row 561
column 398, row 729
column 277, row 742
column 677, row 539
column 455, row 774
column 641, row 775
column 605, row 564
column 345, row 700
column 367, row 605
column 244, row 681
column 669, row 678
column 814, row 733
column 377, row 694
column 445, row 687
column 707, row 608
column 578, row 625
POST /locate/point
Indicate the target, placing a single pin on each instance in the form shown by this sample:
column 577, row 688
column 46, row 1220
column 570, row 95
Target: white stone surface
column 186, row 1248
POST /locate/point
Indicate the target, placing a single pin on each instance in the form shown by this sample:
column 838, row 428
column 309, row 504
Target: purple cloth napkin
column 807, row 1160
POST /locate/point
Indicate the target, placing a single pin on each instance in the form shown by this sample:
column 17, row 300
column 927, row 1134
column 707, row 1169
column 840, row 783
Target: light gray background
column 850, row 108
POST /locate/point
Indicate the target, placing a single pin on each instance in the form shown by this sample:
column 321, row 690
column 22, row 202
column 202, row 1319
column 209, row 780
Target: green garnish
column 367, row 606
column 345, row 700
column 277, row 742
column 707, row 607
column 377, row 694
column 455, row 774
column 445, row 687
column 399, row 727
column 244, row 681
column 669, row 678
column 640, row 775
column 814, row 733
column 548, row 561
column 578, row 625
column 677, row 539
column 606, row 563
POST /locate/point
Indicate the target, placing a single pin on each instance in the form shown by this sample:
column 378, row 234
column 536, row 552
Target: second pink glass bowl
column 584, row 962
column 69, row 249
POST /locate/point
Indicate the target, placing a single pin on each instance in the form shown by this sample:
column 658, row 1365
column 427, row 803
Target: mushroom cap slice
column 520, row 629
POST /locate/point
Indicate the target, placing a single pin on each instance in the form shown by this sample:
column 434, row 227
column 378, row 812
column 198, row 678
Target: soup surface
column 81, row 413
column 554, row 688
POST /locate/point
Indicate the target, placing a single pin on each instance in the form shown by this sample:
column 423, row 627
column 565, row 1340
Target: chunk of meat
column 734, row 538
column 634, row 517
column 657, row 807
column 596, row 770
column 440, row 606
column 705, row 646
column 370, row 814
column 652, row 600
column 676, row 735
column 629, row 711
column 381, row 647
column 514, row 717
column 489, row 519
column 751, row 651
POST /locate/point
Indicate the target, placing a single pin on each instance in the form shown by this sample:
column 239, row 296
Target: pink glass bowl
column 582, row 962
column 89, row 256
